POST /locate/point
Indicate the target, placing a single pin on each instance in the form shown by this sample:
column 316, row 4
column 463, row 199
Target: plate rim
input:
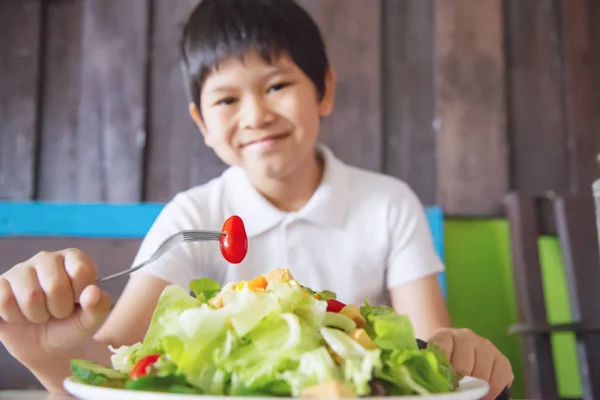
column 70, row 383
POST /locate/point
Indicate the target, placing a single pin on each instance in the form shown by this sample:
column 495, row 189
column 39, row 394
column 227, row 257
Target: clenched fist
column 49, row 304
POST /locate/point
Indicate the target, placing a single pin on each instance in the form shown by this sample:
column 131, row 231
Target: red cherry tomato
column 141, row 367
column 234, row 244
column 334, row 305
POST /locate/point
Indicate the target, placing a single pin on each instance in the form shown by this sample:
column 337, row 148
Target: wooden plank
column 408, row 105
column 353, row 131
column 111, row 255
column 534, row 97
column 470, row 106
column 111, row 117
column 177, row 157
column 59, row 162
column 595, row 66
column 596, row 194
column 581, row 51
column 581, row 255
column 20, row 23
column 522, row 214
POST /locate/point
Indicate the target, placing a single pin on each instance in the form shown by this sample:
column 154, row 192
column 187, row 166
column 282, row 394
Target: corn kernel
column 240, row 285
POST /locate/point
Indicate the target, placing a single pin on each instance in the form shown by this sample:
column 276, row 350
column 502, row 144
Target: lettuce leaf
column 171, row 303
column 358, row 372
column 415, row 371
column 275, row 345
column 124, row 357
column 315, row 367
column 407, row 368
column 205, row 288
column 389, row 330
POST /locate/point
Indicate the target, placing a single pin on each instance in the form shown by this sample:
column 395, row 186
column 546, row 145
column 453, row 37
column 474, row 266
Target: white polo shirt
column 360, row 234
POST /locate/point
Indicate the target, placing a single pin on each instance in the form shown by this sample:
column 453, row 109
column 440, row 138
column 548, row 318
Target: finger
column 57, row 287
column 81, row 269
column 483, row 364
column 87, row 318
column 444, row 339
column 501, row 377
column 9, row 308
column 95, row 306
column 30, row 295
column 463, row 355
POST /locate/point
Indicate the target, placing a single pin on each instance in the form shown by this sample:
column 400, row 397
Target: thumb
column 94, row 306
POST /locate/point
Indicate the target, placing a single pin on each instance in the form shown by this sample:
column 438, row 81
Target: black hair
column 218, row 29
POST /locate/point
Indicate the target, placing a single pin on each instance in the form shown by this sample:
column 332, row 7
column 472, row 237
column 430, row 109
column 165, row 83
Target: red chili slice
column 334, row 305
column 143, row 365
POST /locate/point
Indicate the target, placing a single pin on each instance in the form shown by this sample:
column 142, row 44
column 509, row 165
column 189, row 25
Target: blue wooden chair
column 111, row 234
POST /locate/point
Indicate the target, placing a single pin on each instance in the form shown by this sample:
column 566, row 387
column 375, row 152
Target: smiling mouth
column 267, row 139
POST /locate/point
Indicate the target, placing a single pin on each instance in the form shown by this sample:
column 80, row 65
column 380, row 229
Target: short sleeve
column 178, row 265
column 412, row 253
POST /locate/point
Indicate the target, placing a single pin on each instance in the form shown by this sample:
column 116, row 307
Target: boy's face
column 262, row 117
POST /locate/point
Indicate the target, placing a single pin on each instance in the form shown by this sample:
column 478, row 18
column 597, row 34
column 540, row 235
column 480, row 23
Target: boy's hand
column 472, row 355
column 49, row 304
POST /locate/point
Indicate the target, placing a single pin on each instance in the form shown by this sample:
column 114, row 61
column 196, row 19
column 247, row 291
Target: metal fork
column 167, row 244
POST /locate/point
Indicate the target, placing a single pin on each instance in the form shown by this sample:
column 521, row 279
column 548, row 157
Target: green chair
column 571, row 220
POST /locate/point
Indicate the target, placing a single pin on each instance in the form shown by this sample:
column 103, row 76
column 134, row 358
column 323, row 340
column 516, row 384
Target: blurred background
column 466, row 100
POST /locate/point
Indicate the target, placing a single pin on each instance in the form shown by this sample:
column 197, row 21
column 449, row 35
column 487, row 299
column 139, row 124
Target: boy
column 260, row 82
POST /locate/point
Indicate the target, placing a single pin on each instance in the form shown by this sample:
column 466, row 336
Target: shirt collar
column 327, row 206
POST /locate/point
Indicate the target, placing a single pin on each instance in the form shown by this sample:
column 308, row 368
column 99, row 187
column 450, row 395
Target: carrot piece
column 258, row 283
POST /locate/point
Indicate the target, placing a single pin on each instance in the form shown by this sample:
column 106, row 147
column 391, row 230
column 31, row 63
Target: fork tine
column 215, row 233
column 200, row 238
column 202, row 234
column 195, row 236
column 194, row 232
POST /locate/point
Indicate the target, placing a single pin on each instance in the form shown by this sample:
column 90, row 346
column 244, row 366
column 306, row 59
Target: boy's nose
column 256, row 114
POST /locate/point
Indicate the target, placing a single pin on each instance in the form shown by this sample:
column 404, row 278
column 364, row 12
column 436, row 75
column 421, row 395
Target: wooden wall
column 464, row 99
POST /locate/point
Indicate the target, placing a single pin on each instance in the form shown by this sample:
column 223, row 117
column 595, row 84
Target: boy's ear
column 326, row 106
column 197, row 118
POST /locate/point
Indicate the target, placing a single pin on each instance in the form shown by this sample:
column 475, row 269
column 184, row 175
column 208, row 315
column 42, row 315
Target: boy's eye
column 226, row 101
column 277, row 87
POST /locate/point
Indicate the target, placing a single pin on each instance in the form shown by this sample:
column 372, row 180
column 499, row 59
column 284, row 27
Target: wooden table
column 30, row 395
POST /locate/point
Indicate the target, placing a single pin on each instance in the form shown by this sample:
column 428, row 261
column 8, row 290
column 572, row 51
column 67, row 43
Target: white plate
column 470, row 389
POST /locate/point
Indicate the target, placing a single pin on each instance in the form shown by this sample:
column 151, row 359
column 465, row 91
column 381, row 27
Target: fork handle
column 113, row 276
column 504, row 394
